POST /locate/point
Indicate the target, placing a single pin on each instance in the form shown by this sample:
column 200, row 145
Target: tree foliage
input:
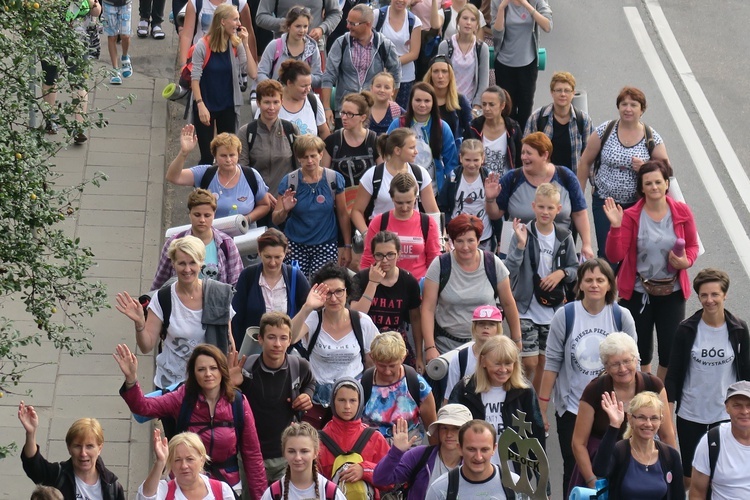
column 41, row 266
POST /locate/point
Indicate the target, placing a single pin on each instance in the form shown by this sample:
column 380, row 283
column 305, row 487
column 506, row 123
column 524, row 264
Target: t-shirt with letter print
column 493, row 401
column 709, row 375
column 88, row 491
column 731, row 480
column 489, row 489
column 470, row 200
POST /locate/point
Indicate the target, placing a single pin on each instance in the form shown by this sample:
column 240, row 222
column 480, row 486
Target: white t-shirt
column 470, row 200
column 450, row 30
column 401, row 40
column 731, row 480
column 307, row 122
column 161, row 492
column 332, row 359
column 88, row 491
column 306, row 494
column 536, row 312
column 495, row 151
column 493, row 401
column 489, row 489
column 205, row 16
column 383, row 202
column 454, row 367
column 709, row 375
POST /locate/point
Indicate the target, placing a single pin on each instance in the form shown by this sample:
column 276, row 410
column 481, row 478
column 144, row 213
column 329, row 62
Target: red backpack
column 213, row 483
column 187, row 69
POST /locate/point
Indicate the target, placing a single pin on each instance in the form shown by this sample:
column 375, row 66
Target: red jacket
column 220, row 442
column 622, row 243
column 345, row 434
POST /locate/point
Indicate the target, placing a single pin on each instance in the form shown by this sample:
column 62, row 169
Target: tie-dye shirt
column 388, row 403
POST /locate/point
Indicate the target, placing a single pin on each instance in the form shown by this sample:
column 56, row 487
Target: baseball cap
column 451, row 414
column 487, row 313
column 741, row 388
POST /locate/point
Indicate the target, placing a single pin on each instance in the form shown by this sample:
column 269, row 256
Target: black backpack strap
column 288, row 128
column 313, row 103
column 238, row 415
column 208, row 176
column 164, row 296
column 362, row 440
column 382, row 14
column 714, row 446
column 579, row 121
column 463, row 360
column 540, row 121
column 315, row 335
column 419, row 466
column 570, row 318
column 453, row 477
column 186, row 411
column 329, row 443
column 650, row 144
column 425, row 222
column 386, row 216
column 607, row 132
column 357, row 328
column 412, row 383
column 377, row 181
column 447, row 13
column 445, row 270
column 490, row 271
column 368, row 378
column 449, row 54
column 251, row 179
column 252, row 131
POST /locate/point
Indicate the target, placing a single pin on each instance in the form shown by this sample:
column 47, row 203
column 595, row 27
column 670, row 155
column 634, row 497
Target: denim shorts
column 116, row 20
column 534, row 338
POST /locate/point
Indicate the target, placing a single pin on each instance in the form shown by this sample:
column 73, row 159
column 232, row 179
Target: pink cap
column 487, row 313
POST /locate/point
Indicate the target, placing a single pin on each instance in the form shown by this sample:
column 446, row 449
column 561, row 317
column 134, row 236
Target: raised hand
column 613, row 211
column 161, row 447
column 401, row 438
column 188, row 139
column 613, row 409
column 28, row 417
column 235, row 363
column 288, row 201
column 130, row 307
column 376, row 274
column 492, row 186
column 128, row 363
column 522, row 234
column 317, row 296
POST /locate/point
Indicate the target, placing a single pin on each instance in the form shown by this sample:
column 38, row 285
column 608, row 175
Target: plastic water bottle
column 679, row 251
column 601, row 484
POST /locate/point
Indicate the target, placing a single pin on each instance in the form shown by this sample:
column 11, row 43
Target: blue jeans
column 601, row 225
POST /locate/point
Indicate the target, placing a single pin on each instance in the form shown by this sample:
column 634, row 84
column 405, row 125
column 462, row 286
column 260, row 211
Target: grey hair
column 617, row 343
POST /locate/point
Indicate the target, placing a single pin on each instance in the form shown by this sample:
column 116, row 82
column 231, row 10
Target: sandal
column 142, row 30
column 157, row 33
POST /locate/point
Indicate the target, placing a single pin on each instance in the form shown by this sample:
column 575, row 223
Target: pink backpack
column 213, row 483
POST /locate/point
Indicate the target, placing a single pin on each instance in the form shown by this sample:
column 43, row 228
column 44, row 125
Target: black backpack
column 384, row 13
column 541, row 121
column 714, row 445
column 286, row 125
column 356, row 327
column 412, row 382
column 424, row 220
column 377, row 181
column 210, row 173
column 477, row 46
column 489, row 270
column 382, row 51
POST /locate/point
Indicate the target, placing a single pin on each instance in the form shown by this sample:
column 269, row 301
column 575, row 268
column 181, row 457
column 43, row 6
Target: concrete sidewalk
column 122, row 223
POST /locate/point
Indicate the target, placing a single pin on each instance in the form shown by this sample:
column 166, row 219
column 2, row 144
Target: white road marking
column 728, row 156
column 731, row 222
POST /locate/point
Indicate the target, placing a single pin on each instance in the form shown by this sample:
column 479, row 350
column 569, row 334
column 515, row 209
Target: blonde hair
column 645, row 399
column 192, row 441
column 451, row 94
column 502, row 349
column 471, row 146
column 562, row 77
column 548, row 190
column 301, row 430
column 84, row 427
column 474, row 328
column 190, row 245
column 474, row 12
column 218, row 36
column 307, row 142
column 388, row 347
column 229, row 141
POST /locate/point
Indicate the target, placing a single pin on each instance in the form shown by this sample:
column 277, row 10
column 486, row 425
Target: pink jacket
column 220, row 442
column 622, row 243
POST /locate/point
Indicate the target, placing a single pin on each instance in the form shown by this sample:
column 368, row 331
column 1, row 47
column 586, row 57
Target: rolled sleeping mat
column 174, row 92
column 231, row 225
column 247, row 243
column 581, row 100
column 437, row 368
column 250, row 343
column 541, row 59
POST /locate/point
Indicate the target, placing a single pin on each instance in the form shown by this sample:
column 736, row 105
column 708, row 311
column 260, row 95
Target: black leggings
column 565, row 426
column 665, row 313
column 690, row 433
column 521, row 85
column 225, row 121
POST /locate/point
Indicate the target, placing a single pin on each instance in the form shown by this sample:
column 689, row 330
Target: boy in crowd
column 117, row 22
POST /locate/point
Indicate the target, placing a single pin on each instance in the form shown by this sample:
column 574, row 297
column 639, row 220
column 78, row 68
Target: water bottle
column 601, row 485
column 679, row 251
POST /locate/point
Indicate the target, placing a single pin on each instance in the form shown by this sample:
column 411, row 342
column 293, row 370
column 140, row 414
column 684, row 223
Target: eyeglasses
column 386, row 256
column 346, row 114
column 622, row 364
column 349, row 23
column 563, row 91
column 336, row 293
column 643, row 418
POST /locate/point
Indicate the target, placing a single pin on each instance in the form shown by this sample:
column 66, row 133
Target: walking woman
column 500, row 134
column 515, row 32
column 711, row 351
column 653, row 282
column 455, row 108
column 218, row 60
column 299, row 104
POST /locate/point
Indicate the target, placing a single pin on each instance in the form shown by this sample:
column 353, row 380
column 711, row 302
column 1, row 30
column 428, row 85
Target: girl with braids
column 399, row 149
column 302, row 481
column 436, row 148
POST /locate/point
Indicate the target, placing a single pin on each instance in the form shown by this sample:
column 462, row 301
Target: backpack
column 292, row 362
column 238, row 422
column 370, row 141
column 489, row 270
column 213, row 483
column 401, row 492
column 382, row 52
column 650, row 144
column 329, row 174
column 714, row 445
column 356, row 327
column 277, row 56
column 541, row 122
column 377, row 181
column 477, row 46
column 424, row 219
column 463, row 360
column 287, row 127
column 384, row 13
column 359, row 490
column 278, row 494
column 187, row 70
column 570, row 318
column 412, row 382
column 210, row 173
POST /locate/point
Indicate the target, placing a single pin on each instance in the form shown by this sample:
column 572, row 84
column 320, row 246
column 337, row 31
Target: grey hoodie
column 349, row 383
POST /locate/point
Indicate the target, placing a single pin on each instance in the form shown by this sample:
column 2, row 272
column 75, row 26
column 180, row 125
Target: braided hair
column 301, row 430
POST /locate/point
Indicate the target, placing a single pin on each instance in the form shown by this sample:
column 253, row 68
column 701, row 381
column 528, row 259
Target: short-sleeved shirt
column 616, row 177
column 383, row 202
column 454, row 366
column 730, row 480
column 391, row 305
column 239, row 199
column 489, row 489
column 401, row 41
column 388, row 403
column 518, row 48
column 655, row 240
column 351, row 161
column 306, row 120
column 470, row 200
column 313, row 219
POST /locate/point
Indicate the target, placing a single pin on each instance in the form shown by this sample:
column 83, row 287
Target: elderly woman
column 189, row 312
column 270, row 285
column 653, row 281
column 619, row 355
column 238, row 190
column 617, row 150
column 85, row 469
column 215, row 402
column 394, row 391
column 223, row 261
column 711, row 351
column 625, row 464
column 515, row 191
column 573, row 349
column 418, row 467
column 459, row 282
column 185, row 457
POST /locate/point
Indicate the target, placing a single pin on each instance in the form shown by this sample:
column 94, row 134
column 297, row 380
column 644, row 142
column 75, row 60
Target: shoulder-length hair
column 436, row 125
column 218, row 36
column 601, row 264
column 451, row 94
column 192, row 387
column 504, row 350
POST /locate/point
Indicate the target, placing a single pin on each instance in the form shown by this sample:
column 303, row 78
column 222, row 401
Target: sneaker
column 115, row 79
column 80, row 139
column 51, row 127
column 127, row 67
column 142, row 30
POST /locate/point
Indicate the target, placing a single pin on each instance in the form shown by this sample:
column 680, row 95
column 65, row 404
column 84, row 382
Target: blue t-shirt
column 217, row 87
column 211, row 263
column 313, row 219
column 240, row 195
column 388, row 403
